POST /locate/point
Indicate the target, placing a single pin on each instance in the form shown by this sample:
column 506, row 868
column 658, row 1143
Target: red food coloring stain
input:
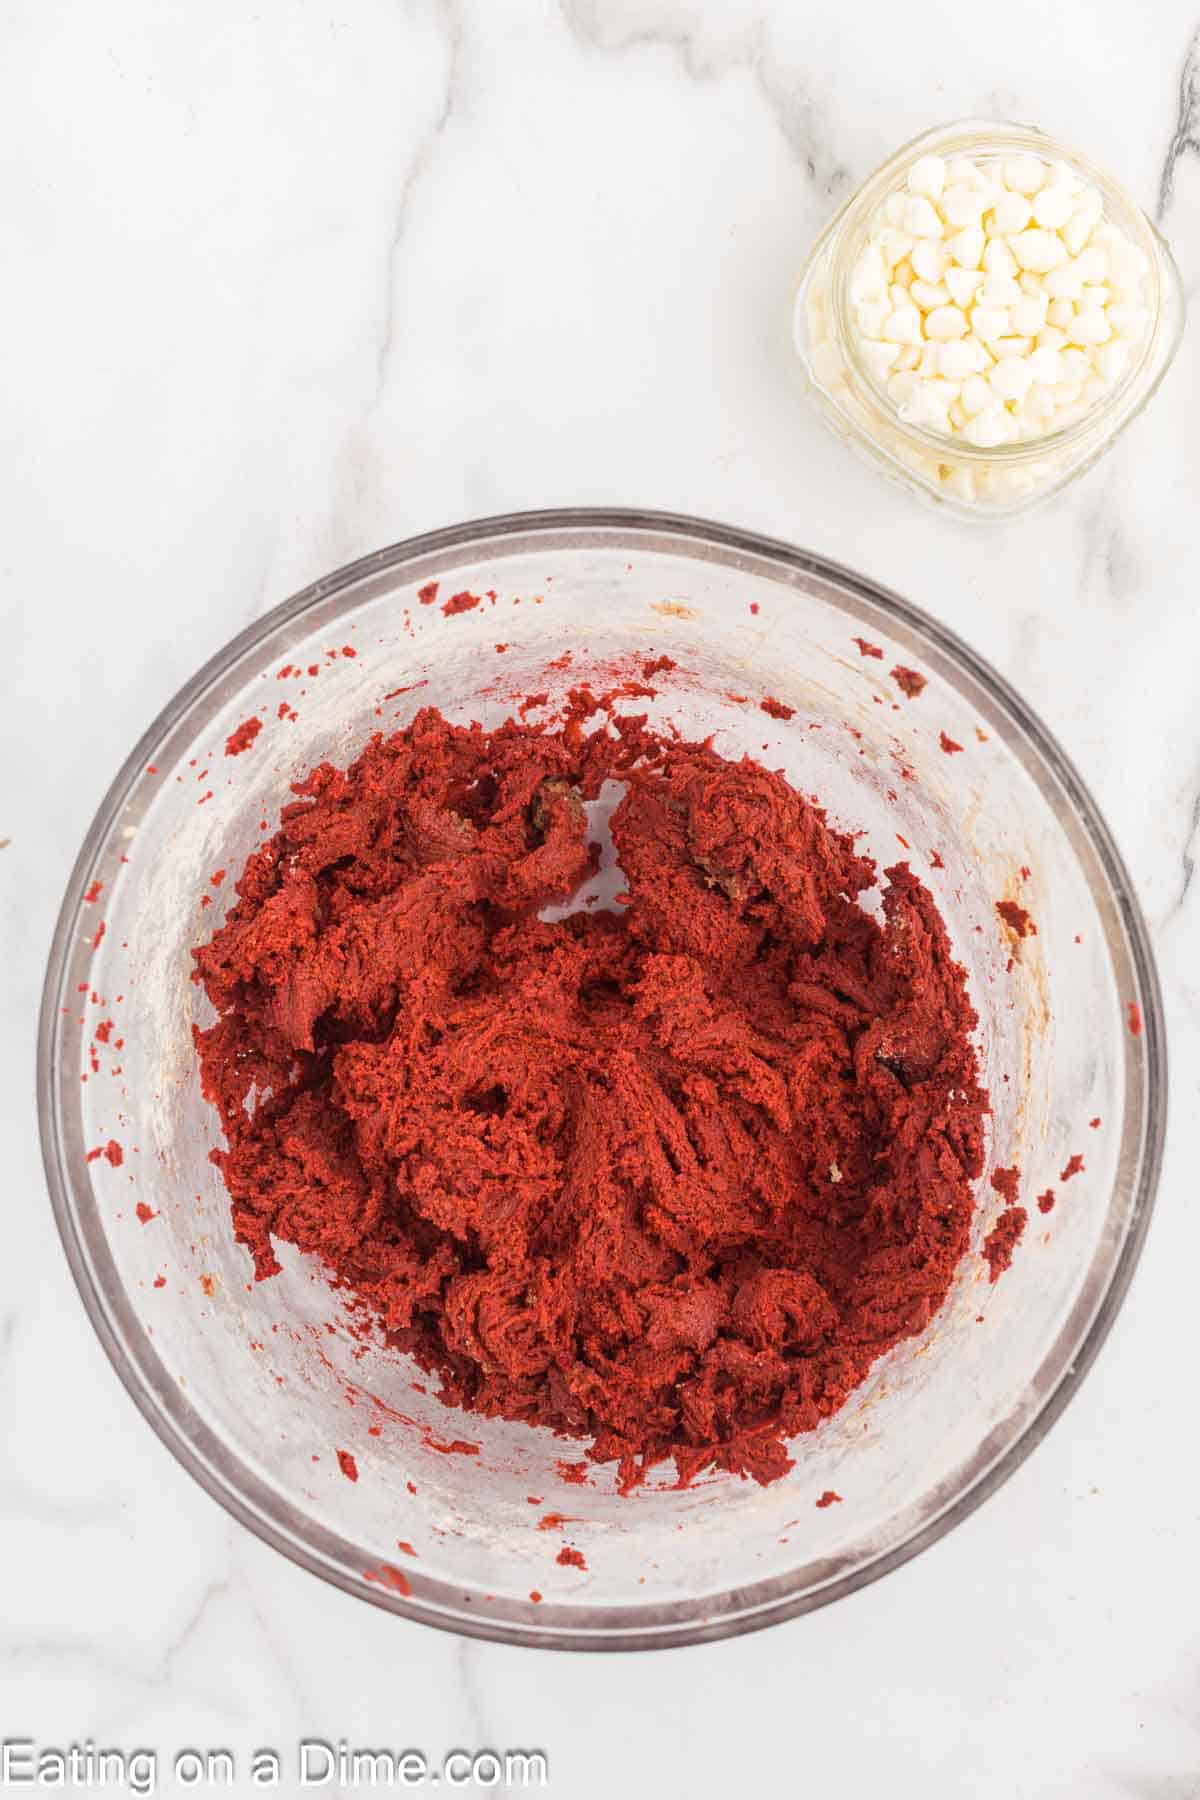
column 349, row 650
column 935, row 861
column 287, row 669
column 104, row 1031
column 575, row 1474
column 902, row 840
column 460, row 603
column 209, row 1288
column 100, row 930
column 242, row 738
column 867, row 649
column 535, row 1596
column 403, row 1544
column 1007, row 1183
column 1095, row 1124
column 406, row 690
column 93, row 893
column 1074, row 1167
column 409, row 1484
column 160, row 1281
column 145, row 1213
column 428, row 594
column 571, row 1558
column 754, row 607
column 910, row 682
column 500, row 649
column 152, row 768
column 776, row 709
column 553, row 1521
column 113, row 1153
column 948, row 744
column 1046, row 1201
column 830, row 1498
column 347, row 1465
column 1135, row 1018
column 658, row 665
column 205, row 900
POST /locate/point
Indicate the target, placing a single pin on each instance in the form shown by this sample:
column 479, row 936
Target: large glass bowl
column 255, row 1387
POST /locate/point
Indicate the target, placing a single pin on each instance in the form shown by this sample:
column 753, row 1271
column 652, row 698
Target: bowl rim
column 198, row 1448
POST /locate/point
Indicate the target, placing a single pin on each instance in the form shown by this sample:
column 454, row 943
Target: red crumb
column 100, row 929
column 217, row 877
column 570, row 1558
column 1046, row 1201
column 349, row 650
column 160, row 1281
column 209, row 1287
column 104, row 1031
column 935, row 861
column 830, row 1498
column 113, row 1153
column 574, row 1473
column 909, row 681
column 1074, row 1167
column 658, row 666
column 347, row 1465
column 553, row 1521
column 1016, row 918
column 93, row 893
column 500, row 649
column 385, row 1575
column 428, row 594
column 1006, row 1183
column 867, row 649
column 948, row 744
column 403, row 1544
column 1135, row 1018
column 754, row 607
column 460, row 603
column 410, row 1487
column 1095, row 1124
column 776, row 708
column 243, row 737
column 535, row 1596
column 1003, row 1239
column 145, row 1213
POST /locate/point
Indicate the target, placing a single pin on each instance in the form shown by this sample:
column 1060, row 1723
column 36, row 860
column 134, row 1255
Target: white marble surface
column 288, row 281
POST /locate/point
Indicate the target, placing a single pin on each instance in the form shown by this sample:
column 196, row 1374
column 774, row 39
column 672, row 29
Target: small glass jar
column 974, row 483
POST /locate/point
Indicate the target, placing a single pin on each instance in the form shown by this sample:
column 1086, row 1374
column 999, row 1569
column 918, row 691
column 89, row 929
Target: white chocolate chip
column 963, row 284
column 946, row 322
column 1025, row 174
column 1012, row 213
column 927, row 176
column 966, row 247
column 1038, row 250
column 903, row 326
column 929, row 260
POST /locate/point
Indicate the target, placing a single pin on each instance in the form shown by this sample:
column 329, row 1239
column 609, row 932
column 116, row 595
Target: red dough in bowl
column 667, row 1179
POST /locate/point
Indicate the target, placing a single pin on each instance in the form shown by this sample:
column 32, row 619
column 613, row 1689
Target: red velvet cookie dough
column 668, row 1180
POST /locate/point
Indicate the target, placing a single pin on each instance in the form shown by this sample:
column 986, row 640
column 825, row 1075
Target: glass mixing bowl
column 255, row 1387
